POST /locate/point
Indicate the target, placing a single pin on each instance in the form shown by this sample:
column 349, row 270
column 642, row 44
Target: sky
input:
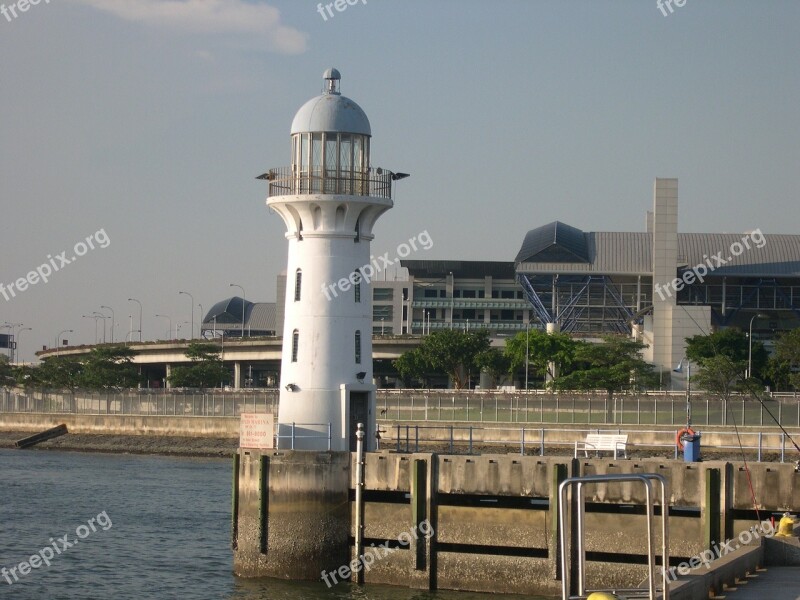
column 142, row 124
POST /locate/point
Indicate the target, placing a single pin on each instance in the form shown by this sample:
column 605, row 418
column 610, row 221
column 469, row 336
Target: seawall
column 494, row 516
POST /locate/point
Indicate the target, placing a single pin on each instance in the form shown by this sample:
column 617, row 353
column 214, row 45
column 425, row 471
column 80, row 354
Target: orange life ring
column 680, row 434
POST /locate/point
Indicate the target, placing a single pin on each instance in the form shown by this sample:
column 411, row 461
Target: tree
column 787, row 351
column 109, row 368
column 496, row 364
column 722, row 376
column 206, row 369
column 727, row 342
column 412, row 366
column 55, row 373
column 614, row 365
column 450, row 351
column 6, row 373
column 548, row 353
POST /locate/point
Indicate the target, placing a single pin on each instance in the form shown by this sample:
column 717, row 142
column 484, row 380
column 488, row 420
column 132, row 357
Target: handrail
column 286, row 181
column 408, row 438
column 579, row 482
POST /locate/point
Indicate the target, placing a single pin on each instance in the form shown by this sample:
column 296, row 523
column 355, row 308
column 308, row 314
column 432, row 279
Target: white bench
column 599, row 442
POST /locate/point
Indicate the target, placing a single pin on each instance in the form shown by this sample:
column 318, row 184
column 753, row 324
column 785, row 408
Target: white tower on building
column 330, row 199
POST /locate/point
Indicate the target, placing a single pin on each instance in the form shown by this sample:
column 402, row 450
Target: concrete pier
column 291, row 513
column 492, row 518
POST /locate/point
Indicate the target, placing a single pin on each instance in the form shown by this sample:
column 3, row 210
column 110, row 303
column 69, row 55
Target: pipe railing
column 464, row 438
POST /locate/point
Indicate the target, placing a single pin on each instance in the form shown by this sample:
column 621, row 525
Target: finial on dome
column 332, row 78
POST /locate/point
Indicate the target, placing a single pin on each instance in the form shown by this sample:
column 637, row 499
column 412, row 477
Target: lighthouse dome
column 331, row 112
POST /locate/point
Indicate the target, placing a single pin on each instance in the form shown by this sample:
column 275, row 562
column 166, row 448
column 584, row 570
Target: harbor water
column 127, row 526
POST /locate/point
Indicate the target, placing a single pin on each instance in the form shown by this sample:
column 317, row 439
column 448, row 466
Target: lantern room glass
column 330, row 162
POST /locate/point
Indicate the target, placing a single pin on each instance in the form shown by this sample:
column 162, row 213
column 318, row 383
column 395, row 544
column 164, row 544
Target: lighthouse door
column 359, row 403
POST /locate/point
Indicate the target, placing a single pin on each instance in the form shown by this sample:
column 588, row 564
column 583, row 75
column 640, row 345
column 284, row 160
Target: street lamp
column 243, row 303
column 140, row 316
column 527, row 365
column 452, row 299
column 16, row 341
column 169, row 335
column 58, row 338
column 750, row 344
column 688, row 388
column 112, row 322
column 200, row 325
column 191, row 335
column 95, row 317
column 104, row 317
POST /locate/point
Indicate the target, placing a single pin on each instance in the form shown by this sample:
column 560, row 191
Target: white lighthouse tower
column 329, row 199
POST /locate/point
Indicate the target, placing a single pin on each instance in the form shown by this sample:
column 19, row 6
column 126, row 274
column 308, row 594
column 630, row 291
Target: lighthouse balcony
column 288, row 181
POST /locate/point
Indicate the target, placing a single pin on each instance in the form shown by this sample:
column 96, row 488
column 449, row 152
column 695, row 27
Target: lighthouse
column 329, row 199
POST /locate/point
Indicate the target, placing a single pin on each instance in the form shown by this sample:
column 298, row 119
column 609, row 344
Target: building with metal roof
column 237, row 317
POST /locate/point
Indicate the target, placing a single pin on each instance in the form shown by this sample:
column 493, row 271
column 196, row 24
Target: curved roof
column 331, row 112
column 554, row 243
column 228, row 311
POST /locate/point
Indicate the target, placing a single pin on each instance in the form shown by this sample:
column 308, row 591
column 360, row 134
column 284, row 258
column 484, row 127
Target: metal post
column 541, row 442
column 451, row 438
column 360, row 499
column 522, row 442
column 783, row 445
column 292, row 435
column 760, row 438
column 329, row 437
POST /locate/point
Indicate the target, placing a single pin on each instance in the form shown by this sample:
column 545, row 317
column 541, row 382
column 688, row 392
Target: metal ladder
column 651, row 591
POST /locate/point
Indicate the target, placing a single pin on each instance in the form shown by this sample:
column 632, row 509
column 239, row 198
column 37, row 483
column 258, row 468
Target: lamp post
column 58, row 338
column 169, row 335
column 244, row 297
column 140, row 316
column 527, row 365
column 112, row 321
column 750, row 344
column 95, row 317
column 104, row 317
column 16, row 341
column 452, row 299
column 191, row 336
column 200, row 324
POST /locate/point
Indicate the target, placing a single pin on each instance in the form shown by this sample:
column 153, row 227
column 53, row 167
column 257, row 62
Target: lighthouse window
column 357, row 285
column 358, row 347
column 316, row 152
column 345, row 155
column 295, row 344
column 298, row 281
